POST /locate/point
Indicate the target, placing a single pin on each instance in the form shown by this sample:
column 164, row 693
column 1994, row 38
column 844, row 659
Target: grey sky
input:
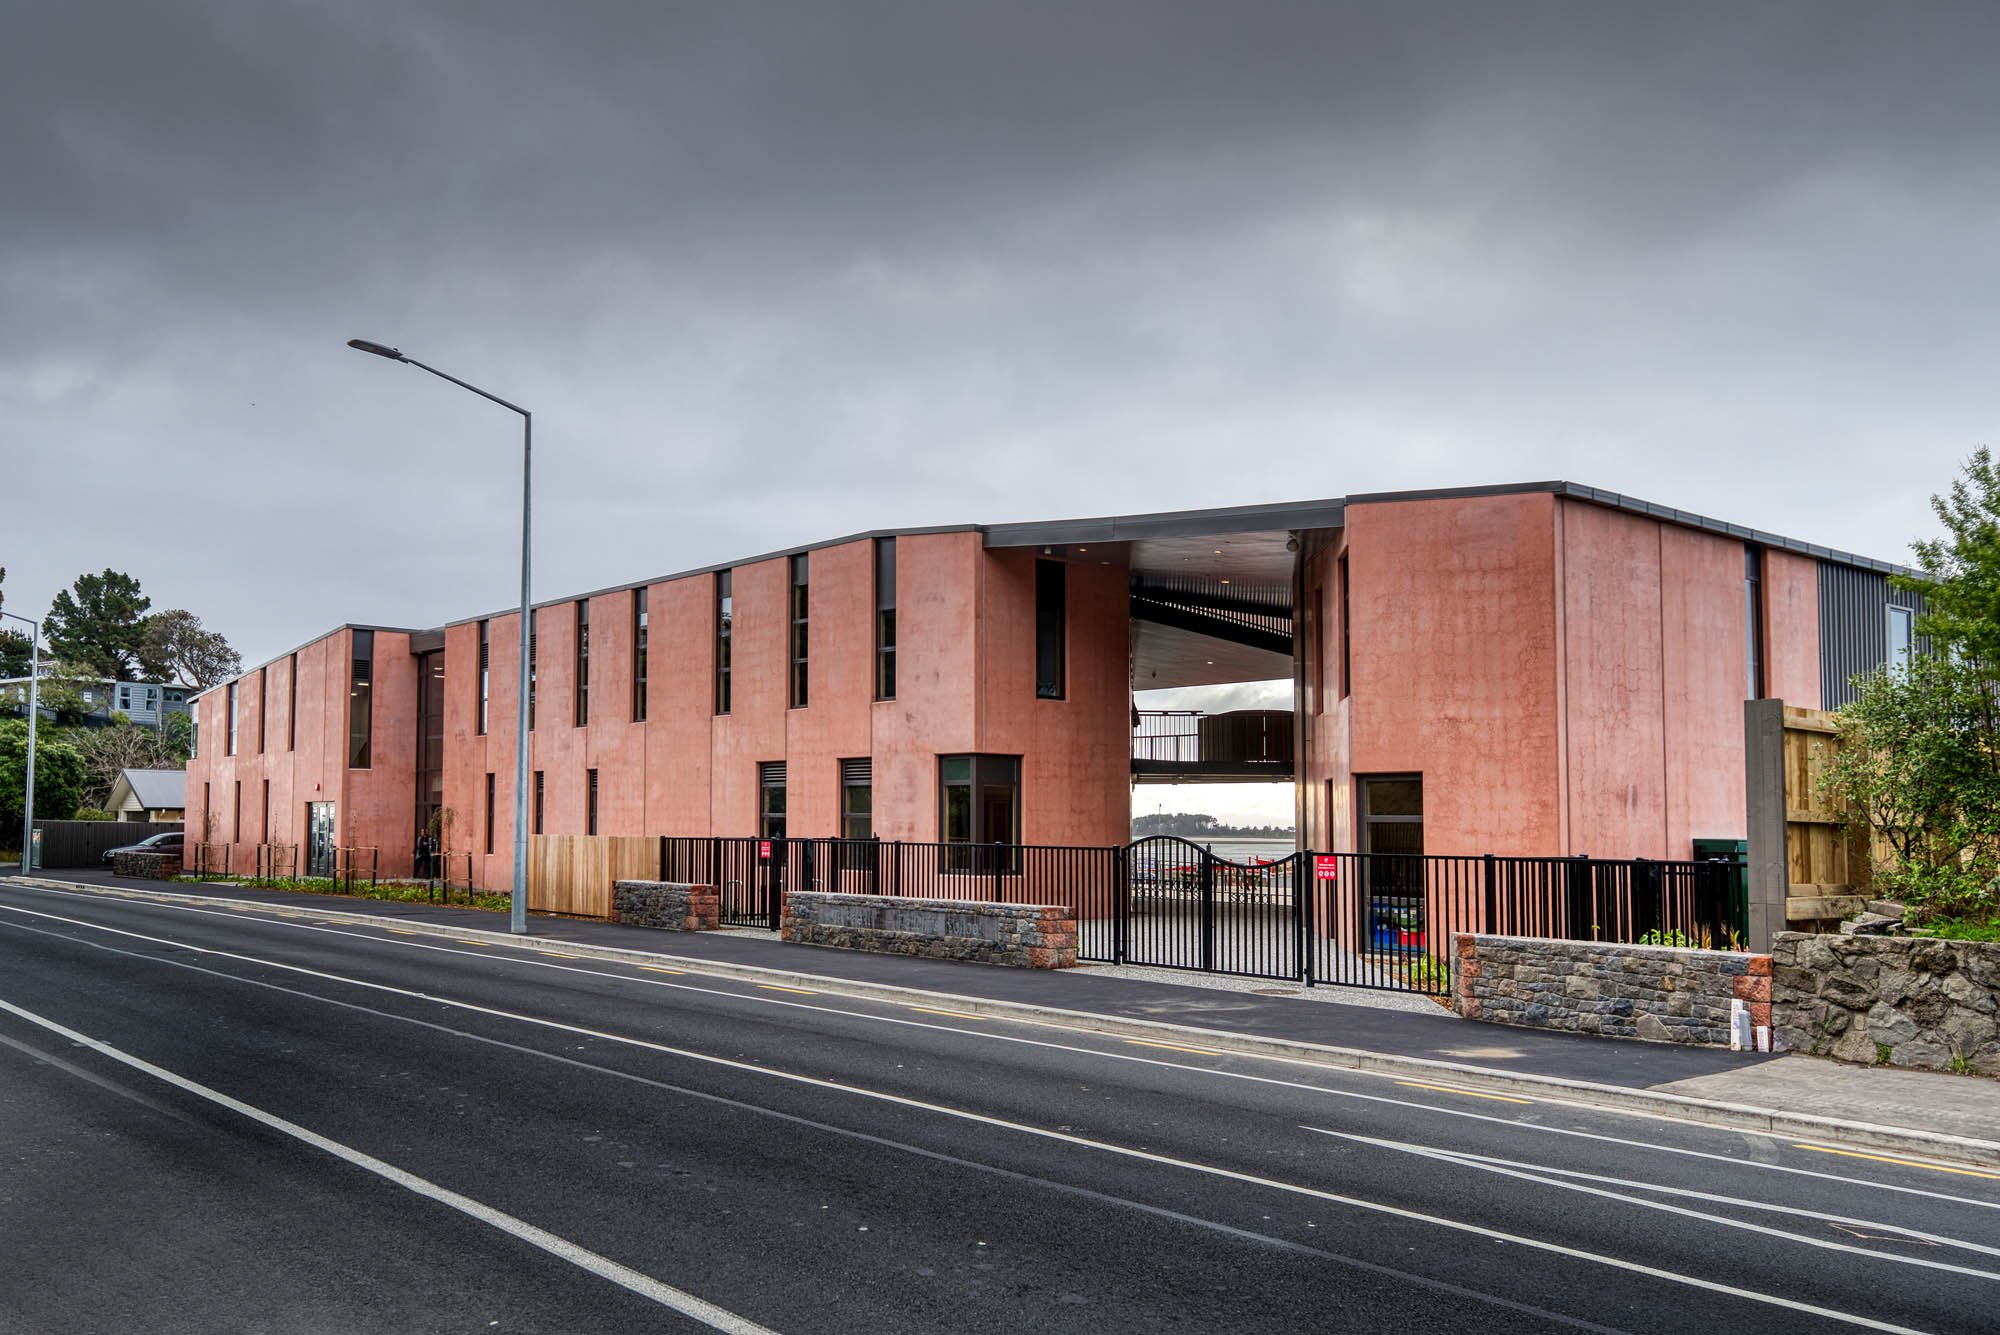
column 769, row 274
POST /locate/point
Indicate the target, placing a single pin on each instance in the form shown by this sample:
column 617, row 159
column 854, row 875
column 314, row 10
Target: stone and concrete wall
column 146, row 866
column 1666, row 993
column 1029, row 936
column 667, row 905
column 1899, row 1000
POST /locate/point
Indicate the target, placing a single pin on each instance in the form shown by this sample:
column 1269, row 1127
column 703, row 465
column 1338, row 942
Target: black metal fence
column 1356, row 919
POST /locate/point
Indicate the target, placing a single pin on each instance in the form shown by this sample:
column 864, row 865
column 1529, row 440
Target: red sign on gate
column 763, row 850
column 1326, row 869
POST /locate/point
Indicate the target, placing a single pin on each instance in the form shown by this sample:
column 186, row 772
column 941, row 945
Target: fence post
column 663, row 858
column 1305, row 890
column 1121, row 901
column 1581, row 895
column 1491, row 921
column 1207, row 910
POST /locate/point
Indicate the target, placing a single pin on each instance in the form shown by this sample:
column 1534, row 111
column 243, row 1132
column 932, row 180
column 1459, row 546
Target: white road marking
column 666, row 1295
column 1533, row 1173
column 1068, row 1138
column 1735, row 1160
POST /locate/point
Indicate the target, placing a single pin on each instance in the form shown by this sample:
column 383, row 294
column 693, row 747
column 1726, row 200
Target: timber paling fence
column 1376, row 920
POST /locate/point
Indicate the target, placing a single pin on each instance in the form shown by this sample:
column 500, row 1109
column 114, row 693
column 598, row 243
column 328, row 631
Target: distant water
column 1243, row 850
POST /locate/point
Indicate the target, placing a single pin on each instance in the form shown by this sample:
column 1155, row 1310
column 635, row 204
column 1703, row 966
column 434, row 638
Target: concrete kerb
column 1643, row 1102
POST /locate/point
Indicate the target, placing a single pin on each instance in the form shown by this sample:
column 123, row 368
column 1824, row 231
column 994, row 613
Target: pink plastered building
column 1536, row 669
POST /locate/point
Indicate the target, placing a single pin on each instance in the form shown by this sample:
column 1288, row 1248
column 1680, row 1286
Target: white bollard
column 1739, row 1027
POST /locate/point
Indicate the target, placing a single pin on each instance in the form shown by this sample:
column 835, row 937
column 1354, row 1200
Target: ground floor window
column 979, row 802
column 857, row 799
column 771, row 799
column 1392, row 828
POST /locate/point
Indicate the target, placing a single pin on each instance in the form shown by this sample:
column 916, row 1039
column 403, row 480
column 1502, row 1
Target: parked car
column 170, row 842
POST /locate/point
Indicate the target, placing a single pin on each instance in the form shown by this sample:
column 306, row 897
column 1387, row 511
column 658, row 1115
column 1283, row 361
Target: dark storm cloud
column 770, row 274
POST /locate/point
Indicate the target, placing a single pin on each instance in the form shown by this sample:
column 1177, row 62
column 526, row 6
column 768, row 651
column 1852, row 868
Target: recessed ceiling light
column 1225, row 581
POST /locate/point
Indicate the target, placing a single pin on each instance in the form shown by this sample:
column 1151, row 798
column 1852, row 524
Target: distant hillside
column 1196, row 825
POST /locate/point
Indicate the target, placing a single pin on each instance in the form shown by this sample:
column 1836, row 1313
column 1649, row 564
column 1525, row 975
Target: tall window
column 725, row 615
column 534, row 620
column 292, row 706
column 638, row 655
column 1313, row 643
column 1051, row 627
column 430, row 741
column 979, row 802
column 799, row 631
column 263, row 706
column 582, row 661
column 537, row 826
column 360, row 702
column 489, row 811
column 264, row 816
column 1346, row 656
column 771, row 799
column 885, row 618
column 1902, row 639
column 194, row 732
column 236, row 815
column 857, row 799
column 590, row 806
column 1392, row 828
column 485, row 678
column 1753, row 611
column 229, row 749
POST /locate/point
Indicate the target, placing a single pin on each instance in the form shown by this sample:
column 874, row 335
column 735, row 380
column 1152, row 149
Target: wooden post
column 1764, row 823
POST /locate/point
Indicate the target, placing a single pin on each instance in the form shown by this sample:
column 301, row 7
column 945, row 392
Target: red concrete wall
column 1791, row 628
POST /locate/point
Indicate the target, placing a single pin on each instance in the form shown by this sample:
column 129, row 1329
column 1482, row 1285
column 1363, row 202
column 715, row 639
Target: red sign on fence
column 1326, row 869
column 763, row 850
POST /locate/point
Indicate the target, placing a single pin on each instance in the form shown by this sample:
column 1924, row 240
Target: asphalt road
column 212, row 1121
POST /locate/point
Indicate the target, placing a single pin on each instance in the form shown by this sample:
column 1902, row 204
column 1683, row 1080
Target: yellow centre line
column 1172, row 1047
column 404, row 931
column 1469, row 1093
column 957, row 1015
column 558, row 955
column 1906, row 1163
column 773, row 987
column 654, row 968
column 464, row 942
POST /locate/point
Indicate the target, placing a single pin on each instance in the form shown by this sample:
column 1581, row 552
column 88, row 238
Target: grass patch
column 1964, row 929
column 407, row 892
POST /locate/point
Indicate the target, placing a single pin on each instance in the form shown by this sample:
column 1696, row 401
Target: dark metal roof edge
column 1285, row 515
column 513, row 609
column 287, row 653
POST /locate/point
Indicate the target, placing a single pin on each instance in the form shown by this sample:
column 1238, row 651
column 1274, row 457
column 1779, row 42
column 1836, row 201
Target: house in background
column 152, row 796
column 146, row 703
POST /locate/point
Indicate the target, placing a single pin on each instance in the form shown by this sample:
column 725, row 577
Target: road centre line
column 1172, row 1047
column 1533, row 1173
column 666, row 1295
column 654, row 968
column 939, row 1156
column 957, row 1015
column 773, row 987
column 964, row 1114
column 1907, row 1163
column 1737, row 1160
column 1468, row 1093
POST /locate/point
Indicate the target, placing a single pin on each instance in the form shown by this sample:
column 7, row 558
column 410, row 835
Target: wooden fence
column 1808, row 865
column 82, row 843
column 573, row 873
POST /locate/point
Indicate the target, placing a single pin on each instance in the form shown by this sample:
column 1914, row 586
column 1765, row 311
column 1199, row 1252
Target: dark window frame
column 985, row 774
column 639, row 655
column 1753, row 611
column 581, row 714
column 229, row 734
column 534, row 663
column 590, row 803
column 292, row 706
column 857, row 776
column 536, row 826
column 1346, row 640
column 1051, row 630
column 725, row 627
column 485, row 677
column 489, row 813
column 799, row 605
column 771, row 816
column 361, row 701
column 885, row 618
column 263, row 707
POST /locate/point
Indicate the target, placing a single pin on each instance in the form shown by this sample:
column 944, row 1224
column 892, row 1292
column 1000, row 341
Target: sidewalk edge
column 1680, row 1107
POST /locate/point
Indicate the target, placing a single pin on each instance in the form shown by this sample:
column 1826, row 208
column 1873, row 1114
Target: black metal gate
column 1186, row 908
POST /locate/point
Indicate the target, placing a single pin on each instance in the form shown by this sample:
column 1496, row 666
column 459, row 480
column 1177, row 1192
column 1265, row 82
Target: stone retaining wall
column 1900, row 1000
column 146, row 866
column 667, row 905
column 1666, row 993
column 1029, row 936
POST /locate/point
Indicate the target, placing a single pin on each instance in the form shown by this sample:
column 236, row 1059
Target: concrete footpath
column 1926, row 1113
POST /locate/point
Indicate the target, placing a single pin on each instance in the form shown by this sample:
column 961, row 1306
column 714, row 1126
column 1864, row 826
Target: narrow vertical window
column 265, row 815
column 1902, row 639
column 1753, row 612
column 857, row 799
column 1051, row 628
column 263, row 705
column 725, row 615
column 885, row 618
column 534, row 670
column 292, row 706
column 771, row 799
column 194, row 732
column 590, row 806
column 236, row 814
column 537, row 826
column 360, row 702
column 229, row 749
column 489, row 811
column 1346, row 660
column 798, row 604
column 638, row 655
column 582, row 662
column 1315, row 647
column 485, row 668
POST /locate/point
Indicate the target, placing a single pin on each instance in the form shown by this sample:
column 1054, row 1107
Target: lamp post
column 518, row 921
column 34, row 712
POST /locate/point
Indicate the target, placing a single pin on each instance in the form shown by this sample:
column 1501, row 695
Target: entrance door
column 319, row 839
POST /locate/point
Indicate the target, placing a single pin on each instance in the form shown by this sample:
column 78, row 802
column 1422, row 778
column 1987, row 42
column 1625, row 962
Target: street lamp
column 518, row 922
column 34, row 711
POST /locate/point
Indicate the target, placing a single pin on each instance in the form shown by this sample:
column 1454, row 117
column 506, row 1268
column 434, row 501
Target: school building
column 1535, row 669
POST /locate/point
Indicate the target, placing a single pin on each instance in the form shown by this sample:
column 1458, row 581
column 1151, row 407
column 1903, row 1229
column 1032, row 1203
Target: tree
column 107, row 752
column 98, row 625
column 59, row 778
column 175, row 642
column 1963, row 592
column 17, row 656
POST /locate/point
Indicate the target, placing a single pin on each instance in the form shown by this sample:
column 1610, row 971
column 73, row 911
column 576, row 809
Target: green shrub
column 92, row 813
